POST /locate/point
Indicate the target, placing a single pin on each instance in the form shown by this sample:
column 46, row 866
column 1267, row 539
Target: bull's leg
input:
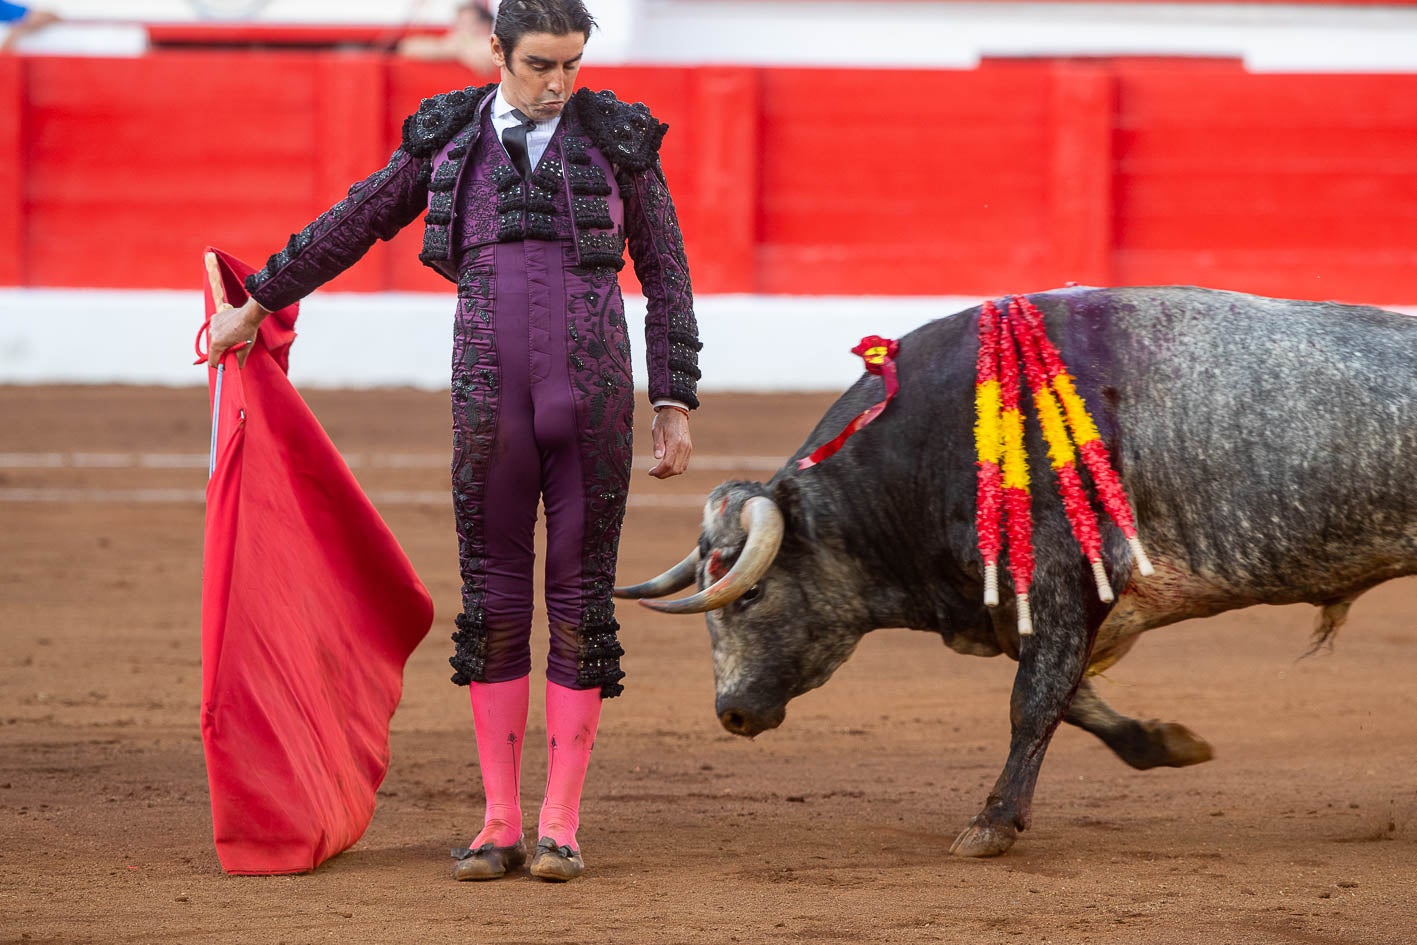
column 1149, row 744
column 1051, row 663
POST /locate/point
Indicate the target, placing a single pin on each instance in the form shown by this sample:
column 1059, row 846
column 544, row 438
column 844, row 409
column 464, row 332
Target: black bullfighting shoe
column 556, row 864
column 488, row 861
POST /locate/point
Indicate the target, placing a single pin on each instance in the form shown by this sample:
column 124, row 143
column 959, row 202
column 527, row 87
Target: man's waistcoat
column 572, row 192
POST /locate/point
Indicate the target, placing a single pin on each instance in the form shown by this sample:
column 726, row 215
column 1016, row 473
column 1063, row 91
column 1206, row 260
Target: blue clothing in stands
column 10, row 12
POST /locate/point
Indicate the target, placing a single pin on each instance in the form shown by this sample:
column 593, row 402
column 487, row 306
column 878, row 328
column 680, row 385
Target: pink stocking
column 499, row 718
column 572, row 717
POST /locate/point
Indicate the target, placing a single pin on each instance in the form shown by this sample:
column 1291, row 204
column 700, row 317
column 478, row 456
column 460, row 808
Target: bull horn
column 762, row 520
column 675, row 579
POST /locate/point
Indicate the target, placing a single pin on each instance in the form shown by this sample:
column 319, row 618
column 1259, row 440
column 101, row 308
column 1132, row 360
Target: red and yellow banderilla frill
column 989, row 450
column 1061, row 456
column 1006, row 343
column 1084, row 432
column 1018, row 503
column 1003, row 503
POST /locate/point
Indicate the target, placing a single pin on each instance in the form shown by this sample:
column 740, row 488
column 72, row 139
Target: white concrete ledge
column 1265, row 37
column 751, row 343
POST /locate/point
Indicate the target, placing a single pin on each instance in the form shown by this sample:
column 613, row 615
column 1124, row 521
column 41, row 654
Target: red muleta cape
column 310, row 610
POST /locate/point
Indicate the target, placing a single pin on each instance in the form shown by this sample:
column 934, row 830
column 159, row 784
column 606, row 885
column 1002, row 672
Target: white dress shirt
column 537, row 138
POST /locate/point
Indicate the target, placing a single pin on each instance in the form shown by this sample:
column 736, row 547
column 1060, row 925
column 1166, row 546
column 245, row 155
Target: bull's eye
column 751, row 594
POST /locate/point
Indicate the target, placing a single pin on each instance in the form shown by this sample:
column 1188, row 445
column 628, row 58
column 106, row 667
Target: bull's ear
column 787, row 493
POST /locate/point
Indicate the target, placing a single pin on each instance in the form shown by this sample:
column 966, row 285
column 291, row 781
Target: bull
column 1269, row 448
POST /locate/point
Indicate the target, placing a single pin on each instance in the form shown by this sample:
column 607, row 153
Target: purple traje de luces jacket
column 606, row 190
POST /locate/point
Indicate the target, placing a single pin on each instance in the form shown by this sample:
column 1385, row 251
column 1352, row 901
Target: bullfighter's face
column 540, row 73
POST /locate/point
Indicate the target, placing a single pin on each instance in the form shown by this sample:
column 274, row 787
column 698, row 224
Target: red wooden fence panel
column 1015, row 175
column 937, row 182
column 13, row 107
column 1080, row 183
column 134, row 165
column 1300, row 185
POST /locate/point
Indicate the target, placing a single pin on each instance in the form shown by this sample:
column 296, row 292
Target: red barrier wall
column 12, row 180
column 1015, row 175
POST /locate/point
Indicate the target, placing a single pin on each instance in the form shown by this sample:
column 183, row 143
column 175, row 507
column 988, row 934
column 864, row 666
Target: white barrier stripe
column 111, row 496
column 103, row 461
column 199, row 496
column 707, row 462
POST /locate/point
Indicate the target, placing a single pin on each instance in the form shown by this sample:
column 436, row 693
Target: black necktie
column 514, row 140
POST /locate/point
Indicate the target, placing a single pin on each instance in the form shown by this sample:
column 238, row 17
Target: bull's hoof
column 984, row 837
column 1168, row 745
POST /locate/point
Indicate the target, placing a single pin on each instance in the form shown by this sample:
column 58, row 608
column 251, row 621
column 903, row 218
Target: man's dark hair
column 516, row 18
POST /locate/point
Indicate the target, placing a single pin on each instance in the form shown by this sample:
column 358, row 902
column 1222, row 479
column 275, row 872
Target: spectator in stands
column 529, row 194
column 469, row 41
column 19, row 20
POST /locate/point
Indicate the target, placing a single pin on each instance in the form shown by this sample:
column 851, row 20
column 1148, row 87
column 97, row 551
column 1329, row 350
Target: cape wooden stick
column 219, row 298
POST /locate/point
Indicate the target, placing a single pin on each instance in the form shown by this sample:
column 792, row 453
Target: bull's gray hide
column 1269, row 448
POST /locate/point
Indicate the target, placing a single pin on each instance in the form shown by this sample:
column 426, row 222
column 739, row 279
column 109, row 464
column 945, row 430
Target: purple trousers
column 542, row 399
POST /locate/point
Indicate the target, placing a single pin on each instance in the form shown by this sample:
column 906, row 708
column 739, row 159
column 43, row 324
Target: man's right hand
column 230, row 327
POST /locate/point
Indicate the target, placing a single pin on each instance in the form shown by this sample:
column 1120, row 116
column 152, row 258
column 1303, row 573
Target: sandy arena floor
column 832, row 828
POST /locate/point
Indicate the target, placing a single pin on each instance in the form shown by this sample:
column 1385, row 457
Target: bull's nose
column 743, row 721
column 737, row 722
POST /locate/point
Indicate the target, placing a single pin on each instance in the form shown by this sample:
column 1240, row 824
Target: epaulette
column 439, row 117
column 625, row 133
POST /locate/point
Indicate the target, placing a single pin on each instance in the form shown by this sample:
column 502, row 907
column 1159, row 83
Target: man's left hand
column 672, row 446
